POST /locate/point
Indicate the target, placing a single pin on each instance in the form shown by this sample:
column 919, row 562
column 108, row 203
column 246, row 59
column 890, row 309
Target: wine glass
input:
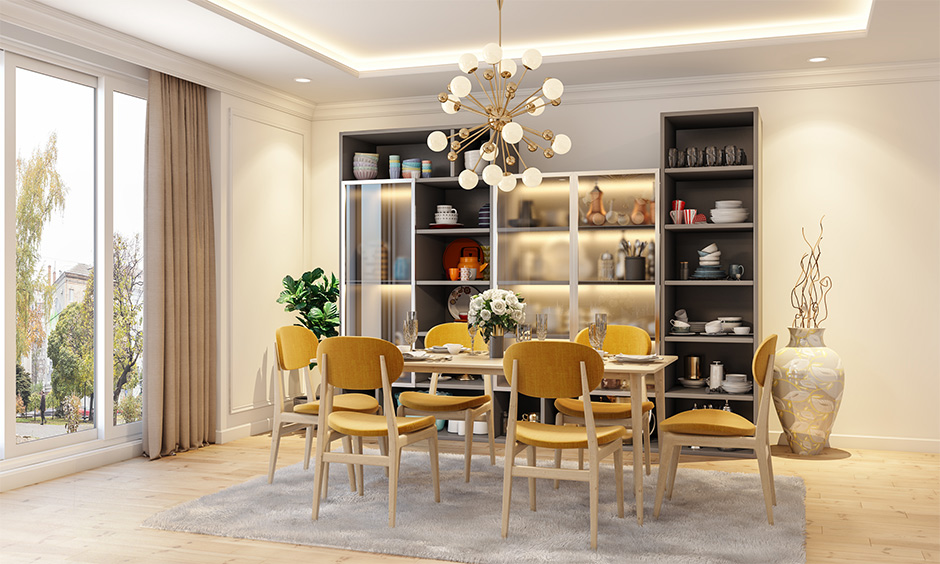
column 541, row 326
column 523, row 332
column 600, row 322
column 472, row 330
column 410, row 329
column 592, row 336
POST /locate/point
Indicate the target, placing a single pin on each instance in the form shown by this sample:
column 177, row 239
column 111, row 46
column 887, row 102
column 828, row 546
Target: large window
column 73, row 158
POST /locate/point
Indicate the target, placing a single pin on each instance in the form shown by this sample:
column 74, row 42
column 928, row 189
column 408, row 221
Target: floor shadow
column 783, row 451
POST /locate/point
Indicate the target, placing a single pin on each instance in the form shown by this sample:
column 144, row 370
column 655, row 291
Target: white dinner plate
column 635, row 358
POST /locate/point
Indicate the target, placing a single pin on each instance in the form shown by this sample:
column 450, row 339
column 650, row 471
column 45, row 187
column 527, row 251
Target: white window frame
column 105, row 434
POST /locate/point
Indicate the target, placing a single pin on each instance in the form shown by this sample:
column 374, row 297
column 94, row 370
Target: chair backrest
column 552, row 369
column 762, row 363
column 456, row 332
column 296, row 347
column 621, row 339
column 353, row 362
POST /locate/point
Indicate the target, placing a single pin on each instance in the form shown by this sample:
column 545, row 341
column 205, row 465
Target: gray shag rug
column 712, row 517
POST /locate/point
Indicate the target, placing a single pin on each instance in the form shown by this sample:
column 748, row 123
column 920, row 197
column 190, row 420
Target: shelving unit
column 705, row 300
column 547, row 258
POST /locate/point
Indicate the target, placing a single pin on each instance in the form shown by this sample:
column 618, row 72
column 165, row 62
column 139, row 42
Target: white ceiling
column 355, row 50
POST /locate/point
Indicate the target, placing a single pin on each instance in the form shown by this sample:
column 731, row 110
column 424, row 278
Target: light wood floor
column 861, row 506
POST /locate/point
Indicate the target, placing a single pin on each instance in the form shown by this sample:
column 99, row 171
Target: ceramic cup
column 678, row 324
column 676, row 216
column 688, row 216
column 454, row 273
column 736, row 271
column 678, row 205
column 467, row 273
column 681, row 315
column 713, row 327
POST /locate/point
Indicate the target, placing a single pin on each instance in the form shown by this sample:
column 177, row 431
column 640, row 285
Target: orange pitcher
column 470, row 258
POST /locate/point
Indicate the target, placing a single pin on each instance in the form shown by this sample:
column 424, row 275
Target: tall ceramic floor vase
column 807, row 390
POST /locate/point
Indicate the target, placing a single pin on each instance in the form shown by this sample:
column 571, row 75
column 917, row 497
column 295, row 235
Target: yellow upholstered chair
column 295, row 347
column 723, row 429
column 462, row 408
column 366, row 363
column 620, row 339
column 557, row 369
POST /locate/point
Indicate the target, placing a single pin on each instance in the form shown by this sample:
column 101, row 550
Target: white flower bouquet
column 496, row 311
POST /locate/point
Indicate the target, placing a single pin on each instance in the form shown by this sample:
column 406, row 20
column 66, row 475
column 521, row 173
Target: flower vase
column 807, row 390
column 496, row 343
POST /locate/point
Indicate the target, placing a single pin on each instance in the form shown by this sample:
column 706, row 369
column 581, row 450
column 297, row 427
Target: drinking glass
column 600, row 322
column 410, row 329
column 592, row 336
column 523, row 332
column 541, row 326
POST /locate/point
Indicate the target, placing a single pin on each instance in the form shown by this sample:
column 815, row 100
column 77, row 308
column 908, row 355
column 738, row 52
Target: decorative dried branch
column 809, row 293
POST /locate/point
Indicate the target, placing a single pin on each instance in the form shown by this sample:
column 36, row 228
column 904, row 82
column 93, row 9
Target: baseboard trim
column 870, row 442
column 241, row 431
column 59, row 467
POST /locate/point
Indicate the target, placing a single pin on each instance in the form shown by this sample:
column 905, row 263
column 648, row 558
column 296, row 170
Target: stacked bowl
column 709, row 260
column 728, row 211
column 365, row 166
column 411, row 168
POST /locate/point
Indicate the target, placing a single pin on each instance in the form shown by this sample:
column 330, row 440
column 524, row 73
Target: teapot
column 470, row 258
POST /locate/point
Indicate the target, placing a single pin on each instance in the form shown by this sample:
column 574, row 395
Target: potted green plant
column 313, row 296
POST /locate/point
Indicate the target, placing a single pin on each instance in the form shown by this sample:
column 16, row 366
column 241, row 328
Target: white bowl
column 728, row 204
column 730, row 318
column 453, row 348
column 740, row 330
column 710, row 248
column 728, row 325
column 711, row 256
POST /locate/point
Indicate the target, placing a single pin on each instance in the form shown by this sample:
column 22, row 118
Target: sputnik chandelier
column 499, row 133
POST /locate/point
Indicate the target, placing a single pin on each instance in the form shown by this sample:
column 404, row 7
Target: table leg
column 637, row 392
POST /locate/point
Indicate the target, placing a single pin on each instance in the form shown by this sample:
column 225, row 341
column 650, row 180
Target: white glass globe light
column 437, row 141
column 553, row 88
column 468, row 62
column 512, row 132
column 492, row 174
column 532, row 59
column 539, row 106
column 468, row 179
column 492, row 53
column 507, row 183
column 532, row 177
column 490, row 156
column 448, row 106
column 561, row 144
column 507, row 65
column 460, row 86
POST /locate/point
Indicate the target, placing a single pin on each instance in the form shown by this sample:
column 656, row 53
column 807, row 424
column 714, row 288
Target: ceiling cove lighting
column 498, row 106
column 302, row 80
column 818, row 59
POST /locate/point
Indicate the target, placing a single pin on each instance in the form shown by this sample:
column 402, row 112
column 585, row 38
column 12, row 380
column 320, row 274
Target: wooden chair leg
column 393, row 485
column 770, row 472
column 647, row 443
column 356, row 469
column 618, row 476
column 665, row 449
column 509, row 460
column 766, row 481
column 530, row 460
column 308, row 444
column 467, row 444
column 594, row 493
column 673, row 467
column 559, row 420
column 275, row 443
column 320, row 468
column 435, row 467
column 490, row 427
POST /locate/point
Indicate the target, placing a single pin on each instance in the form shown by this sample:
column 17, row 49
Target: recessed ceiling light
column 819, row 59
column 304, row 80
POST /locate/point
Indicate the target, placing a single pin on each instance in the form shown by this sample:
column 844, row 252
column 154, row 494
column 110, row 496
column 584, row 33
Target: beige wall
column 861, row 148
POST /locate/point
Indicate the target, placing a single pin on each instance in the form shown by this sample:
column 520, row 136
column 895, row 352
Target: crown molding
column 716, row 85
column 61, row 26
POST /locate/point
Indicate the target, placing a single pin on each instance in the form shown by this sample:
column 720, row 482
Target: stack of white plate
column 728, row 211
column 698, row 383
column 737, row 387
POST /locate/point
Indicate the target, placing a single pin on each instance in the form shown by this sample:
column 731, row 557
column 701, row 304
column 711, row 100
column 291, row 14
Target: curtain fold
column 180, row 328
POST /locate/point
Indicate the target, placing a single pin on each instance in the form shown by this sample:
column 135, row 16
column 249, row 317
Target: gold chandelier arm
column 531, row 97
column 479, row 133
column 532, row 131
column 472, row 98
column 485, row 91
column 474, row 110
column 519, row 155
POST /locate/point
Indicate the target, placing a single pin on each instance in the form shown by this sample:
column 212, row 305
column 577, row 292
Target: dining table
column 635, row 371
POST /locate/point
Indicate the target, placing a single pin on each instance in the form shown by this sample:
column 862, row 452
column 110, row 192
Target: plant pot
column 807, row 390
column 496, row 343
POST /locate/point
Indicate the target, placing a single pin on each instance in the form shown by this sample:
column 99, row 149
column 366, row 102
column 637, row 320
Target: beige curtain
column 180, row 292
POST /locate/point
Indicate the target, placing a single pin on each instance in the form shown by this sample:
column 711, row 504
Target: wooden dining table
column 637, row 372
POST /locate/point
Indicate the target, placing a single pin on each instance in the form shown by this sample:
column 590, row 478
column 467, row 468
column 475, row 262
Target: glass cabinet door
column 616, row 235
column 377, row 272
column 533, row 249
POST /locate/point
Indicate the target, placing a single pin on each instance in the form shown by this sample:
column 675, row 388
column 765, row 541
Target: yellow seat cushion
column 428, row 402
column 709, row 422
column 574, row 407
column 564, row 436
column 342, row 402
column 368, row 425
